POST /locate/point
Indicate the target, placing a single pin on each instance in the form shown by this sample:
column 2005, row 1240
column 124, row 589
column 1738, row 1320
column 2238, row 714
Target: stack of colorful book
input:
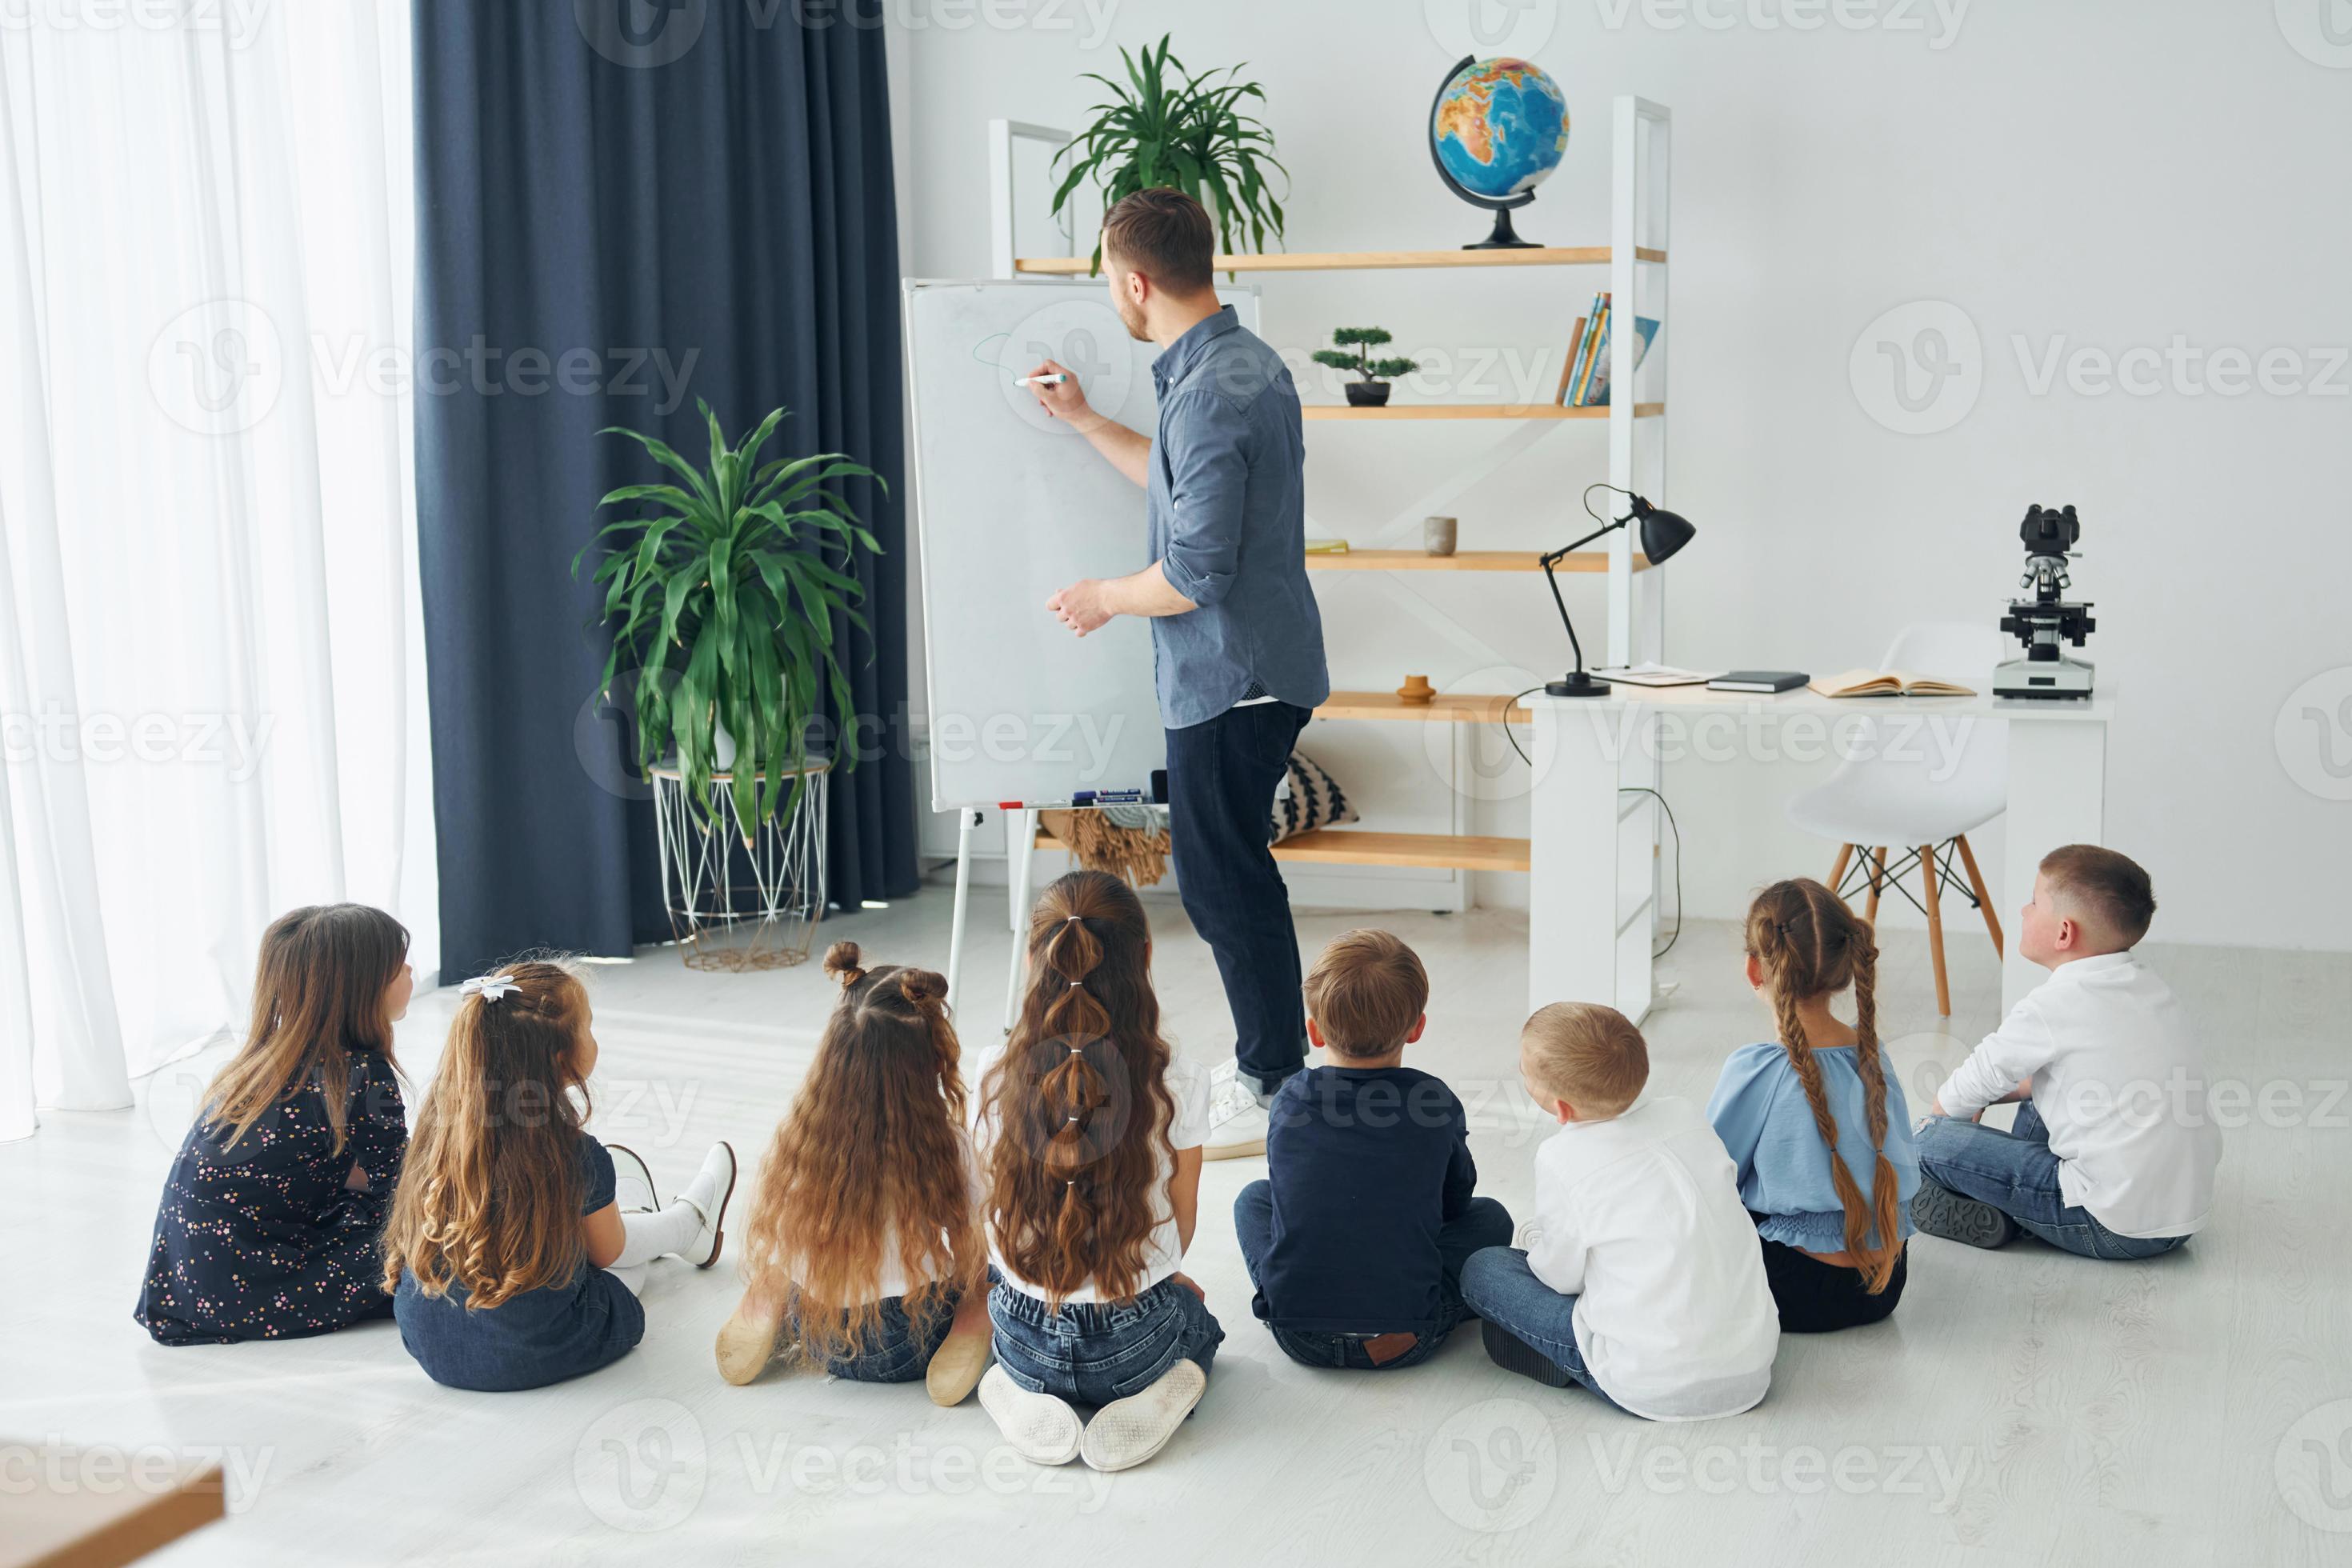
column 1584, row 380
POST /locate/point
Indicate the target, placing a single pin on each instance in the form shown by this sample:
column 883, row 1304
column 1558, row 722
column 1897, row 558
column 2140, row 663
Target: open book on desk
column 1888, row 683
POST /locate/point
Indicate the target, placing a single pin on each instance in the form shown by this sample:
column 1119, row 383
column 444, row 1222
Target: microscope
column 2042, row 622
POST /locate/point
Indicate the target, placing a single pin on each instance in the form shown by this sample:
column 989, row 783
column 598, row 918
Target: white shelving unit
column 1636, row 257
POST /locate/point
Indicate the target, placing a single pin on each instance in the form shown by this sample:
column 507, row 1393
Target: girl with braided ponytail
column 1091, row 1130
column 1816, row 1127
column 517, row 1241
column 864, row 1256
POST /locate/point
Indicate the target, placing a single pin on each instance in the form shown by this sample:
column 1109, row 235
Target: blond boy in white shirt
column 1640, row 1278
column 2114, row 1148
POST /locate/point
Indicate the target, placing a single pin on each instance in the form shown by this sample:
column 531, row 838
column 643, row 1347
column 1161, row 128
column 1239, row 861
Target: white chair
column 1914, row 795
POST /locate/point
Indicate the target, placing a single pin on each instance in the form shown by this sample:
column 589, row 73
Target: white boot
column 708, row 1195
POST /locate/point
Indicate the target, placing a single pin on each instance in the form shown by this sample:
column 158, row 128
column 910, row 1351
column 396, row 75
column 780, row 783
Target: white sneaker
column 1237, row 1122
column 633, row 1183
column 1040, row 1428
column 708, row 1195
column 1129, row 1431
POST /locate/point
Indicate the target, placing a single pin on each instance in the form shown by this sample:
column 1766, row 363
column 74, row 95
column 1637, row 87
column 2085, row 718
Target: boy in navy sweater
column 1356, row 1241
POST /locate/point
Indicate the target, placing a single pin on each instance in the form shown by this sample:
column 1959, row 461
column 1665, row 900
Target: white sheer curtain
column 211, row 654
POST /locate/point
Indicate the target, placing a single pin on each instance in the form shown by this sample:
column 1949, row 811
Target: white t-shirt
column 1639, row 1219
column 893, row 1279
column 1163, row 1250
column 2119, row 1081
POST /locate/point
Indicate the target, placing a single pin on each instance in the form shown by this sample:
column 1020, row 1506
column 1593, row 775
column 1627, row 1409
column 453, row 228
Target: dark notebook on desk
column 1758, row 680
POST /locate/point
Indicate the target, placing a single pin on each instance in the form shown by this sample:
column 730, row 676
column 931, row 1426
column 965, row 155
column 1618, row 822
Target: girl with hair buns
column 518, row 1242
column 864, row 1256
column 1816, row 1127
column 1090, row 1130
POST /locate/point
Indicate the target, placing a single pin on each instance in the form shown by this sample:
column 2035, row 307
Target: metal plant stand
column 735, row 905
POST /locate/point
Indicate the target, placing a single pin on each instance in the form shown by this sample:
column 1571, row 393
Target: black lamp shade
column 1662, row 533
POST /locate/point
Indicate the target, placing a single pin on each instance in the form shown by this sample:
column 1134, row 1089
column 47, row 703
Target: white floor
column 2022, row 1406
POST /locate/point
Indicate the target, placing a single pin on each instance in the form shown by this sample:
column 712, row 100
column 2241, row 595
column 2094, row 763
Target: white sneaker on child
column 708, row 1195
column 1129, row 1431
column 1040, row 1427
column 633, row 1183
column 1237, row 1122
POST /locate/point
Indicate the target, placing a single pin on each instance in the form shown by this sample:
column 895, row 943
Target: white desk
column 1593, row 888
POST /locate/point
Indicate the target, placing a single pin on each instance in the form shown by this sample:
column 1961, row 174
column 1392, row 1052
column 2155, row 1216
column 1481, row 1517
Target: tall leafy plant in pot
column 724, row 600
column 1164, row 127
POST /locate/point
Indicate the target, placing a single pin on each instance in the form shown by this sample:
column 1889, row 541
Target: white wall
column 2102, row 174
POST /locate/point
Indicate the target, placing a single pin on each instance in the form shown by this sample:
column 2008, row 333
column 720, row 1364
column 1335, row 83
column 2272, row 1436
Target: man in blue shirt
column 1237, row 642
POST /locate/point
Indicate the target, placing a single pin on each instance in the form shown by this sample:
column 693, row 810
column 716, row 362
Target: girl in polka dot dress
column 269, row 1220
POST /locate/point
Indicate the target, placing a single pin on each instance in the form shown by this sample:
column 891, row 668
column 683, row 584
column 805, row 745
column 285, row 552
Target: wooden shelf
column 1445, row 708
column 1358, row 846
column 1365, row 261
column 1470, row 411
column 1461, row 561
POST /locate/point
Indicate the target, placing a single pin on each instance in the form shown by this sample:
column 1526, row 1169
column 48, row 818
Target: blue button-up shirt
column 1227, row 513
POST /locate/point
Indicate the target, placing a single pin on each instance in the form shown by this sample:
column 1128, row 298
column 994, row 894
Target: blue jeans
column 1500, row 1287
column 1092, row 1353
column 2016, row 1173
column 1221, row 775
column 1484, row 1223
column 899, row 1348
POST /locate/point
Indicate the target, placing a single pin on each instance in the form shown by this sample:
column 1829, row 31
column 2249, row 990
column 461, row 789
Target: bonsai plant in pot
column 1370, row 387
column 1166, row 127
column 723, row 599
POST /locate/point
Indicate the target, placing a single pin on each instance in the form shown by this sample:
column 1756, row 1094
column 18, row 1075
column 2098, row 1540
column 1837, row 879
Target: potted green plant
column 1370, row 387
column 1165, row 127
column 724, row 599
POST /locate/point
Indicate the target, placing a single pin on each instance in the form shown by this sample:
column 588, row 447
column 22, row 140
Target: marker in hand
column 1056, row 379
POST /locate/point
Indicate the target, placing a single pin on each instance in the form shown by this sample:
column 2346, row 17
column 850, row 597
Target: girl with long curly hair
column 1809, row 1117
column 1091, row 1130
column 517, row 1241
column 864, row 1256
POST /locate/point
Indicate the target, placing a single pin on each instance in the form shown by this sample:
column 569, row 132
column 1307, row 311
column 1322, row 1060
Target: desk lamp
column 1662, row 533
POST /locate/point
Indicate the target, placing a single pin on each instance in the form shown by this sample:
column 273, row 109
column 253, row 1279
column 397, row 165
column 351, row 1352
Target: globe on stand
column 1497, row 131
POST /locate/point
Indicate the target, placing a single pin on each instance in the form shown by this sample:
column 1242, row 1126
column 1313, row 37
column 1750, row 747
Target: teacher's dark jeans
column 1221, row 775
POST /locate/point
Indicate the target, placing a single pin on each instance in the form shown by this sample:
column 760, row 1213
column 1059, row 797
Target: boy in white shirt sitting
column 2113, row 1150
column 1640, row 1280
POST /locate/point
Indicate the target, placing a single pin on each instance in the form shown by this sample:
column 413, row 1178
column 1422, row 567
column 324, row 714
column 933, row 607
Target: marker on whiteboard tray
column 1107, row 798
column 1056, row 379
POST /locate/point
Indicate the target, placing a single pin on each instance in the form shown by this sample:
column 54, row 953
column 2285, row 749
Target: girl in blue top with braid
column 1811, row 1116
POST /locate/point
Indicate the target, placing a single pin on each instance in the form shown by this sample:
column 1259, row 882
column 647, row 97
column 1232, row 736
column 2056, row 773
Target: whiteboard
column 1010, row 506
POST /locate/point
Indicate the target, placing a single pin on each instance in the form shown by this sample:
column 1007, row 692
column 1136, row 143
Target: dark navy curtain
column 624, row 206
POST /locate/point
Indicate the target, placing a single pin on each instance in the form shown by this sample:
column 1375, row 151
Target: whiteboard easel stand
column 1021, row 857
